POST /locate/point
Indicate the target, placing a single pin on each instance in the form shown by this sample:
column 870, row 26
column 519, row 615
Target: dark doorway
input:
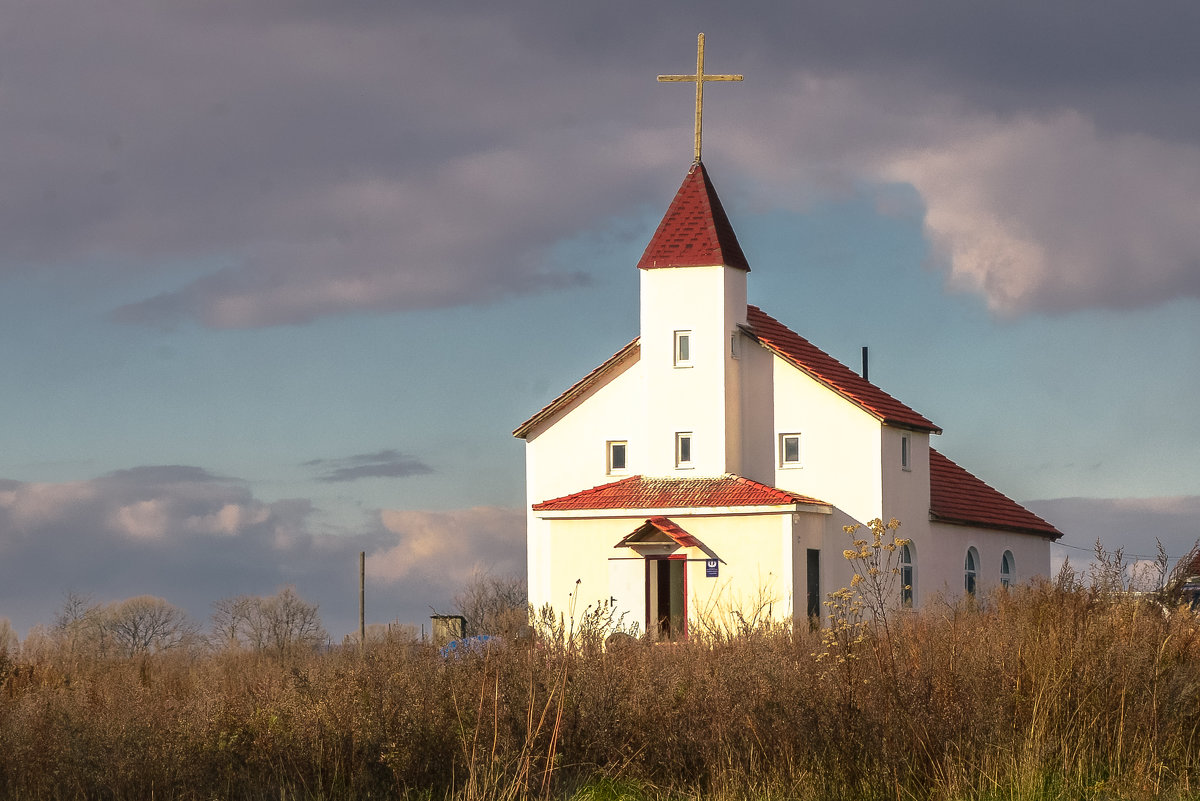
column 814, row 585
column 666, row 596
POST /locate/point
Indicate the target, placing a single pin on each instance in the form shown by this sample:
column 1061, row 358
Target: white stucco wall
column 757, row 574
column 570, row 453
column 839, row 444
column 708, row 302
column 940, row 565
column 756, row 384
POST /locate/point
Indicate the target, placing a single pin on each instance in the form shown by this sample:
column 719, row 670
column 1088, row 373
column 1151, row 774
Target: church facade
column 711, row 464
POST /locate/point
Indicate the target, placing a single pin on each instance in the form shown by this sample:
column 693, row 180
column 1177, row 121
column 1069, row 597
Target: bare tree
column 280, row 623
column 9, row 642
column 78, row 625
column 494, row 604
column 230, row 621
column 285, row 621
column 145, row 625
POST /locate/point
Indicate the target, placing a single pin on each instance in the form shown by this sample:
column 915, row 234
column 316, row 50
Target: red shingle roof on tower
column 800, row 353
column 956, row 496
column 695, row 231
column 639, row 492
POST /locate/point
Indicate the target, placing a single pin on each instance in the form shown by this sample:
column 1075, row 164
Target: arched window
column 907, row 577
column 971, row 571
column 1008, row 569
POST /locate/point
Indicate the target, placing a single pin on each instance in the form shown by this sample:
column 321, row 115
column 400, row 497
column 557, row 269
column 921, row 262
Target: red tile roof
column 639, row 492
column 695, row 231
column 799, row 352
column 579, row 388
column 958, row 497
column 666, row 526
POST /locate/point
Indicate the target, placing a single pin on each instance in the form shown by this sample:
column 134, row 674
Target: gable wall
column 570, row 454
column 840, row 444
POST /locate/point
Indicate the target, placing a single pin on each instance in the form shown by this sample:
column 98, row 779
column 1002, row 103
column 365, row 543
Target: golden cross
column 699, row 78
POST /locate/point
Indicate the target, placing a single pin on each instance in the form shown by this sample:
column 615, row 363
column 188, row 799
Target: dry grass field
column 1053, row 691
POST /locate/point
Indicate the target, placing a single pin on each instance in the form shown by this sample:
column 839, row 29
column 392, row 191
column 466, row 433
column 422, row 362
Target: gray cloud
column 383, row 464
column 284, row 162
column 1134, row 524
column 191, row 537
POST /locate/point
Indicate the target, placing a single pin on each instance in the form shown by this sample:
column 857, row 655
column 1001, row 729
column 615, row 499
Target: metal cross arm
column 699, row 79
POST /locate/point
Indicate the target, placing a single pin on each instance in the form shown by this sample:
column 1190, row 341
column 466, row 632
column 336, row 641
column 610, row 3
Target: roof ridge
column 822, row 367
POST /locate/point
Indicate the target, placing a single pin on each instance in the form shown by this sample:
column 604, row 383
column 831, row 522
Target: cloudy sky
column 278, row 279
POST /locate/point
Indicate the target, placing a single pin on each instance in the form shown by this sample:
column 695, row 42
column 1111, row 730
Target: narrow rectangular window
column 905, row 452
column 734, row 350
column 814, row 588
column 617, row 453
column 683, row 348
column 683, row 449
column 789, row 450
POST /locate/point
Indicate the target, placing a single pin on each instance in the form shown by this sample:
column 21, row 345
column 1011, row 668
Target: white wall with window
column 989, row 547
column 686, row 319
column 683, row 449
column 618, row 457
column 789, row 450
column 840, row 457
column 683, row 349
column 908, row 574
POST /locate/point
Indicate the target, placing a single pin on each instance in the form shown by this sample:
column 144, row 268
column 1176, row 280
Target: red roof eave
column 828, row 371
column 956, row 497
column 639, row 492
column 578, row 389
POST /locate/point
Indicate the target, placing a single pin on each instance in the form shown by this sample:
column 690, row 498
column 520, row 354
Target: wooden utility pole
column 362, row 601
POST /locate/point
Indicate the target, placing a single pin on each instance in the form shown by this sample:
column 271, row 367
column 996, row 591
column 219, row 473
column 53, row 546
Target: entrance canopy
column 663, row 531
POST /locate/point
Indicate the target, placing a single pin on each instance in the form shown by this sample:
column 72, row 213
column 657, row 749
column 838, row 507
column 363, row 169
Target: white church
column 713, row 461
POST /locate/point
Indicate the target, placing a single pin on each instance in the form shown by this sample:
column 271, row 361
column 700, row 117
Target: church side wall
column 811, row 531
column 839, row 445
column 906, row 492
column 940, row 568
column 757, row 380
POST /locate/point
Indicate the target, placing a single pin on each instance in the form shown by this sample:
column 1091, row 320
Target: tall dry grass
column 1050, row 691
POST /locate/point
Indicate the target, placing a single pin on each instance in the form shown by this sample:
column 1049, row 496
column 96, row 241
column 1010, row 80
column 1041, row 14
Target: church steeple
column 695, row 231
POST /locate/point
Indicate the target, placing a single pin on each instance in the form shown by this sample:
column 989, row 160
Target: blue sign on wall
column 710, row 568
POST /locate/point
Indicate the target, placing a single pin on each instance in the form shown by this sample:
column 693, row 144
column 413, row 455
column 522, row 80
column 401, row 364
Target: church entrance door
column 666, row 597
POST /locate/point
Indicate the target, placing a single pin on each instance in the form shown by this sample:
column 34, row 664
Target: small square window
column 617, row 455
column 683, row 348
column 905, row 452
column 683, row 449
column 789, row 450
